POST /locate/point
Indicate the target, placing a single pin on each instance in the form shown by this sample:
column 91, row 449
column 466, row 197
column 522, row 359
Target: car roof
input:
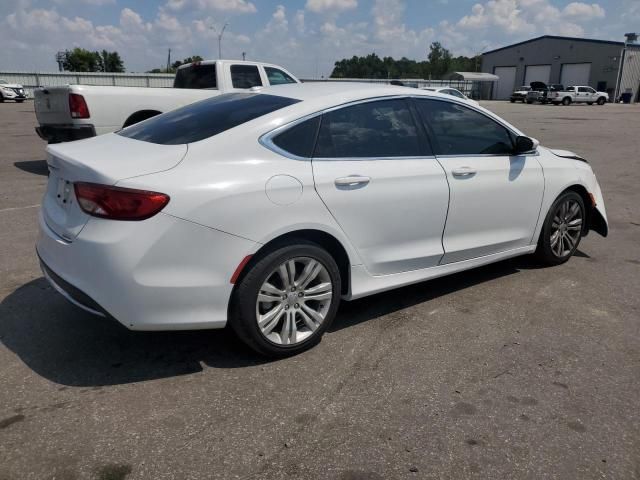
column 340, row 92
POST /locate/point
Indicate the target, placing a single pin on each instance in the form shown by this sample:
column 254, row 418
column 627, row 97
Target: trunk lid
column 52, row 105
column 106, row 159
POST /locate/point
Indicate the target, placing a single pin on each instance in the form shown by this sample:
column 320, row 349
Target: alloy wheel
column 294, row 300
column 566, row 228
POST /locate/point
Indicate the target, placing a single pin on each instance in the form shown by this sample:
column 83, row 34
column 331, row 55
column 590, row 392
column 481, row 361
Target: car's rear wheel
column 601, row 101
column 529, row 102
column 287, row 299
column 19, row 101
column 589, row 103
column 512, row 100
column 562, row 229
column 566, row 101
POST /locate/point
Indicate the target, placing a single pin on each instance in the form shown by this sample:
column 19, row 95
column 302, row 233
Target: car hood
column 10, row 85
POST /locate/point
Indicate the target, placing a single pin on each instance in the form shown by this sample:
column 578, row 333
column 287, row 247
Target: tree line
column 81, row 60
column 439, row 62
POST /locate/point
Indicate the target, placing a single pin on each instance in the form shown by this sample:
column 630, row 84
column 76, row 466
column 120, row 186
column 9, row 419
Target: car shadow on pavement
column 70, row 347
column 37, row 167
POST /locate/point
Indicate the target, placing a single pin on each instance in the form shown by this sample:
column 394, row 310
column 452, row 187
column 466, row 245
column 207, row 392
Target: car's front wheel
column 287, row 299
column 562, row 229
column 601, row 101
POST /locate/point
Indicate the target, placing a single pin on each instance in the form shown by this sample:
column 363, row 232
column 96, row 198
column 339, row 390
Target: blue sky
column 306, row 36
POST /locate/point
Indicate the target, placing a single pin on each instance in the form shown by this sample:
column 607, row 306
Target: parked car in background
column 520, row 95
column 579, row 94
column 540, row 92
column 73, row 112
column 452, row 92
column 263, row 209
column 12, row 91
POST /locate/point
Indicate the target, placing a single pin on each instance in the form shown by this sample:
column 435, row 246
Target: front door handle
column 463, row 172
column 352, row 181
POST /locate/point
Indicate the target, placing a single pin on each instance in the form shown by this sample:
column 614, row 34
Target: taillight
column 78, row 106
column 117, row 203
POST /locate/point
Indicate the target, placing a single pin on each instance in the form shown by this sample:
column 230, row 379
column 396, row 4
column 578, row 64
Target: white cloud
column 321, row 6
column 231, row 6
column 584, row 11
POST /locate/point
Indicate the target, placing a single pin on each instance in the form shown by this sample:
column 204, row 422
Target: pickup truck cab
column 579, row 94
column 73, row 112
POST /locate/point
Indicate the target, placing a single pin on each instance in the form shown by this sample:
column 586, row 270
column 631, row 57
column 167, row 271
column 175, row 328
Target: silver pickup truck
column 73, row 112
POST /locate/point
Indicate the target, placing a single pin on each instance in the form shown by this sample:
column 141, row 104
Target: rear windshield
column 196, row 76
column 206, row 118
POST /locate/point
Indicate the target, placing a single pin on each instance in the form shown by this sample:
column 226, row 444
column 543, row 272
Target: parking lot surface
column 508, row 371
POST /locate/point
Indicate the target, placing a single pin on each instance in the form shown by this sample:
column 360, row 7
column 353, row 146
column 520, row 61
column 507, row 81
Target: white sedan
column 263, row 209
column 452, row 92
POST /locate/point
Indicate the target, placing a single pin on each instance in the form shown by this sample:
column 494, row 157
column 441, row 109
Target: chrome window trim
column 266, row 139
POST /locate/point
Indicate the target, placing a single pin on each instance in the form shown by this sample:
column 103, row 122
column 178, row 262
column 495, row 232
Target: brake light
column 78, row 106
column 117, row 203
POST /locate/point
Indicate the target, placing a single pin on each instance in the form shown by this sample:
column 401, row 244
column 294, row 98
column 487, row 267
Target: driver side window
column 458, row 130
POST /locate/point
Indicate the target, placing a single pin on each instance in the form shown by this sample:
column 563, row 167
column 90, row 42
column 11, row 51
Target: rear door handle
column 463, row 172
column 352, row 181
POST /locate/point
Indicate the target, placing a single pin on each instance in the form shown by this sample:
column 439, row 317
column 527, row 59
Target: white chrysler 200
column 263, row 209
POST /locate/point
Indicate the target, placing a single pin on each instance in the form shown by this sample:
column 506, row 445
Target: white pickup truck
column 73, row 112
column 578, row 94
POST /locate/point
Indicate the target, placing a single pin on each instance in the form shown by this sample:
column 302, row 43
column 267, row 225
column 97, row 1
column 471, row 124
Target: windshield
column 206, row 118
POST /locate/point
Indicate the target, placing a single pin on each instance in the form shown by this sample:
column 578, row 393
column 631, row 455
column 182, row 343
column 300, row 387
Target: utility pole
column 168, row 60
column 224, row 27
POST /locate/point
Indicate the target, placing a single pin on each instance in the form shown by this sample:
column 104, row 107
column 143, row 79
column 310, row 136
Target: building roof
column 476, row 76
column 554, row 37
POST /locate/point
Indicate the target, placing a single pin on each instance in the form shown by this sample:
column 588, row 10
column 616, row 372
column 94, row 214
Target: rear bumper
column 162, row 273
column 65, row 133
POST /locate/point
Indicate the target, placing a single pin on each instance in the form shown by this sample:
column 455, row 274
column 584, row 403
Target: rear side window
column 206, row 118
column 300, row 139
column 245, row 76
column 383, row 128
column 459, row 130
column 277, row 76
column 196, row 76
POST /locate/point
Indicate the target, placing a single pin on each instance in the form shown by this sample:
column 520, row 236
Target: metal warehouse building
column 564, row 60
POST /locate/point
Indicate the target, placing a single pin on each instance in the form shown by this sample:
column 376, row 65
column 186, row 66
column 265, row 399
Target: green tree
column 439, row 63
column 439, row 59
column 175, row 65
column 82, row 60
column 111, row 62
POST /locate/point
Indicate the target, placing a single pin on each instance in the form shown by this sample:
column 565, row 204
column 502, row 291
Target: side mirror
column 525, row 145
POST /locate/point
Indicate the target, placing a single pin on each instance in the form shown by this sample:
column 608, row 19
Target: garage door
column 575, row 74
column 537, row 73
column 503, row 88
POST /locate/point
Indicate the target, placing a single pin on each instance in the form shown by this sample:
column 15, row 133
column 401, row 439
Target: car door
column 374, row 172
column 495, row 196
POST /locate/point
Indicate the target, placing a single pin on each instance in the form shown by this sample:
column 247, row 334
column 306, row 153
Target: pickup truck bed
column 73, row 112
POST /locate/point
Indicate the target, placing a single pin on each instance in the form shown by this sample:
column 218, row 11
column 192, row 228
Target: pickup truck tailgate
column 52, row 105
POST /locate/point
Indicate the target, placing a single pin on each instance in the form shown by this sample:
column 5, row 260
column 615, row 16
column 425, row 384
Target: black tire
column 19, row 101
column 566, row 101
column 512, row 100
column 544, row 252
column 243, row 310
column 601, row 101
column 589, row 103
column 529, row 102
column 1, row 98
